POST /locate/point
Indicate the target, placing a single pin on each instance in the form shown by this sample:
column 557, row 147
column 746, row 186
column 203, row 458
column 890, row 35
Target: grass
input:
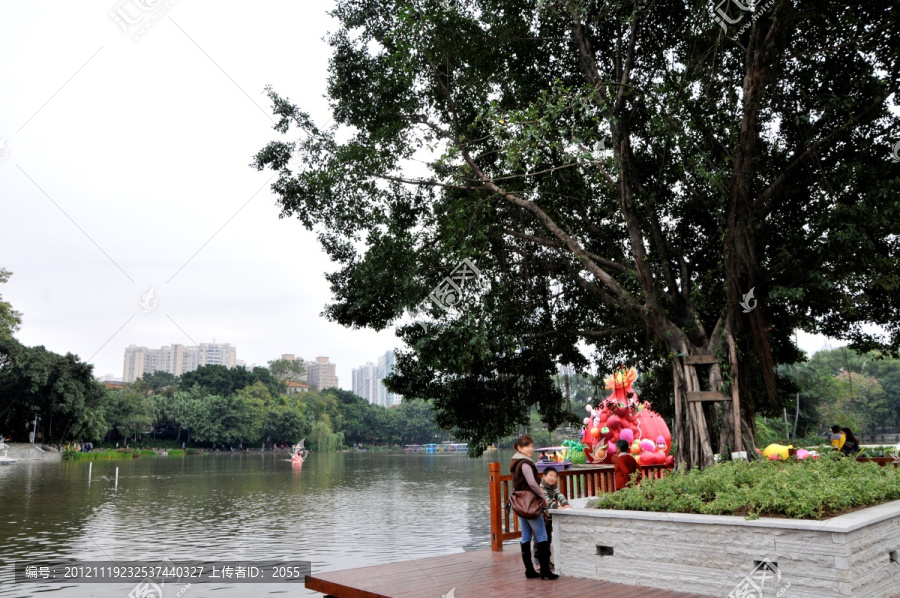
column 107, row 455
column 809, row 489
column 70, row 455
column 176, row 453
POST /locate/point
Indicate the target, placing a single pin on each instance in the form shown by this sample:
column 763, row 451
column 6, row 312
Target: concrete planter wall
column 857, row 554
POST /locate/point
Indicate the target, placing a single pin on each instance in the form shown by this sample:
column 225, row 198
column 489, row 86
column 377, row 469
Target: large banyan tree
column 676, row 185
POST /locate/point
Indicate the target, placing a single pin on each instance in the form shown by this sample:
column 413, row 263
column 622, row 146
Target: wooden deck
column 476, row 574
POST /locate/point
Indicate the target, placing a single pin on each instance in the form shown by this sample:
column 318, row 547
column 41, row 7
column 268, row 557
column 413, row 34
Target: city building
column 365, row 382
column 368, row 381
column 320, row 374
column 176, row 359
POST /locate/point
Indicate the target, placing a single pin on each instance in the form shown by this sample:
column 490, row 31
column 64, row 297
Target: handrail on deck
column 576, row 482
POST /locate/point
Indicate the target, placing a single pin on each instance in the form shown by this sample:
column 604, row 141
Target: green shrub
column 176, row 453
column 73, row 455
column 808, row 489
column 192, row 451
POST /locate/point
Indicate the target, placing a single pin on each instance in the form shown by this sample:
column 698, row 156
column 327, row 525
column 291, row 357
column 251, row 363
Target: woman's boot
column 543, row 549
column 530, row 573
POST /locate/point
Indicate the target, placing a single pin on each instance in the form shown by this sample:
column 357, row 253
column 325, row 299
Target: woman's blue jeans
column 532, row 526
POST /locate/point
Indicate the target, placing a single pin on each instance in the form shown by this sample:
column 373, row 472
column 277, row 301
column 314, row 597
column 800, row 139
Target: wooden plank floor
column 476, row 574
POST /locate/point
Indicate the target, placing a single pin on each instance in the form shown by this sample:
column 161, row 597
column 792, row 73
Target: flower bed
column 808, row 489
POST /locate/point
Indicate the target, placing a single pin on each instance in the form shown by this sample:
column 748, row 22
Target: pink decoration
column 627, row 435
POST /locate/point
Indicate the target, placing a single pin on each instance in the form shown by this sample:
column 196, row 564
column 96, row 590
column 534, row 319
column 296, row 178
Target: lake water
column 339, row 511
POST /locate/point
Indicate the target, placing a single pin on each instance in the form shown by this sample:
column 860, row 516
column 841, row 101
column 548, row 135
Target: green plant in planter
column 808, row 489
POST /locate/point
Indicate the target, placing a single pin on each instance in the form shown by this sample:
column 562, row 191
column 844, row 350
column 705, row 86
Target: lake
column 339, row 511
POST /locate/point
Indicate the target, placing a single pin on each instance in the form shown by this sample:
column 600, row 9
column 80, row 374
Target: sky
column 126, row 132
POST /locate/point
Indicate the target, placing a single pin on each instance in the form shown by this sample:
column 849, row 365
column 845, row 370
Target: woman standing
column 525, row 478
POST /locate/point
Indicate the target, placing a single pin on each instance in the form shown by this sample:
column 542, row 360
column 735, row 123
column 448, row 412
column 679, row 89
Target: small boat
column 458, row 446
column 412, row 448
column 4, row 460
column 431, row 448
column 552, row 457
column 299, row 452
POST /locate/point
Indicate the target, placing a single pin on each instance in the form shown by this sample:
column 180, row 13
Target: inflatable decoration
column 774, row 452
column 622, row 416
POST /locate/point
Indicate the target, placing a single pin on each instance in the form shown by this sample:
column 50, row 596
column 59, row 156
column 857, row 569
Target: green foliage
column 176, row 453
column 110, row 455
column 808, row 489
column 288, row 369
column 59, row 388
column 860, row 391
column 159, row 379
column 323, row 439
column 701, row 194
column 10, row 319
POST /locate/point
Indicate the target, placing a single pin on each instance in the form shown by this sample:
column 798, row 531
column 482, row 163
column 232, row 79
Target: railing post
column 496, row 507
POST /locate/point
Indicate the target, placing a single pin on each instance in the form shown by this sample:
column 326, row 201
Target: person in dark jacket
column 525, row 478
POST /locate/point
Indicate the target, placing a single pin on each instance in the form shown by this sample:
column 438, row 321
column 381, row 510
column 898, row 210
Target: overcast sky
column 124, row 168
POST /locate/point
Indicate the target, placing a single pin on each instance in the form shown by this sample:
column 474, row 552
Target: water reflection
column 337, row 510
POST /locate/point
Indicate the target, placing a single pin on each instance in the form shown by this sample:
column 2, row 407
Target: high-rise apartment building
column 365, row 382
column 176, row 359
column 320, row 374
column 368, row 381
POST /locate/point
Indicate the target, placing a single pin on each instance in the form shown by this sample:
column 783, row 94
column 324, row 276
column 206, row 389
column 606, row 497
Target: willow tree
column 664, row 182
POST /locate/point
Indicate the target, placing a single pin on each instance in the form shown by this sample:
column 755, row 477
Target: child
column 557, row 500
column 625, row 465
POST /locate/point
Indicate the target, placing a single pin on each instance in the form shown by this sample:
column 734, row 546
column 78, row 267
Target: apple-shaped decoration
column 595, row 432
column 614, row 422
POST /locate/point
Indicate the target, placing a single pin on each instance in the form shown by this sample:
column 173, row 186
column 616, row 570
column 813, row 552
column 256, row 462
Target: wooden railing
column 575, row 482
column 882, row 461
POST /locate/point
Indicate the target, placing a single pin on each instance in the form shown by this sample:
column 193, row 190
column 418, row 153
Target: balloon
column 648, row 445
column 627, row 435
column 614, row 422
column 595, row 432
column 588, row 407
column 587, row 421
column 652, row 458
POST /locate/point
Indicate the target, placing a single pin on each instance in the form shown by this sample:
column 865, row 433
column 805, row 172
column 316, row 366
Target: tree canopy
column 626, row 176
